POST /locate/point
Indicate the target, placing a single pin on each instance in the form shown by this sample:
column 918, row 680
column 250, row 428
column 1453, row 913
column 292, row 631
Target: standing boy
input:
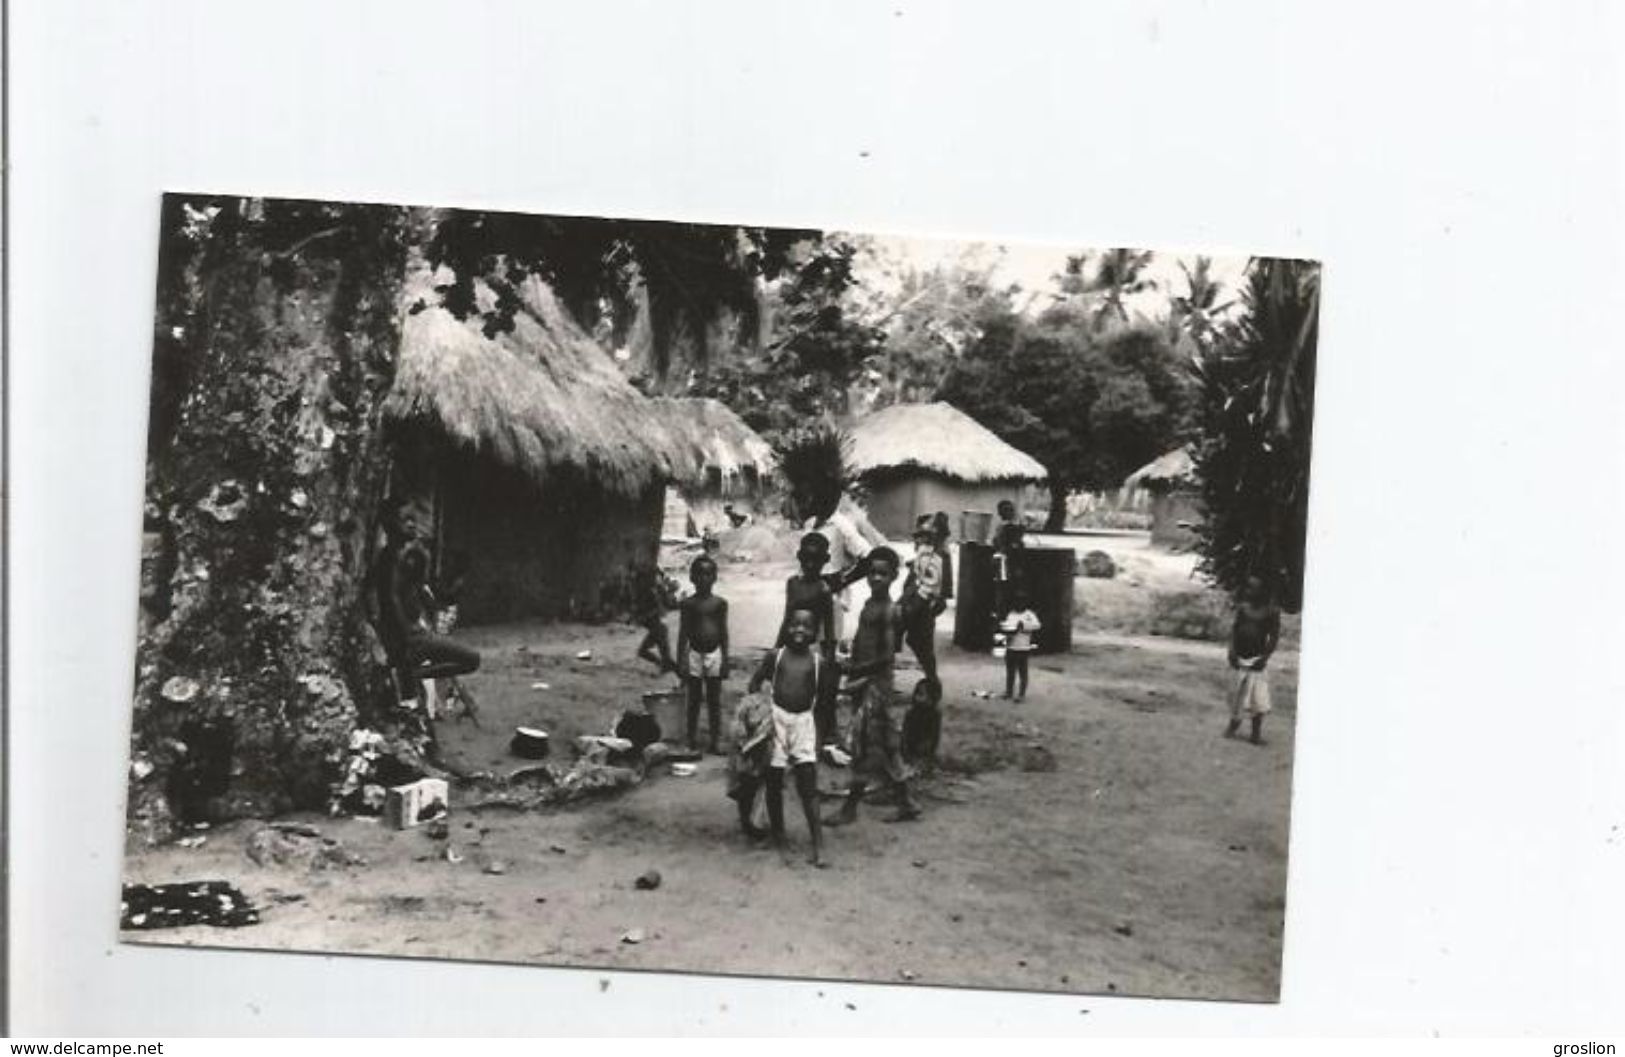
column 1253, row 639
column 1008, row 538
column 702, row 649
column 922, row 601
column 796, row 672
column 808, row 590
column 876, row 752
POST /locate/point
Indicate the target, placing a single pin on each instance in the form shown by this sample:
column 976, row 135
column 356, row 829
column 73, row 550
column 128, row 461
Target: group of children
column 787, row 729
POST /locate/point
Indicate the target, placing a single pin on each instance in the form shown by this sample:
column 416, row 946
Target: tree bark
column 1056, row 522
column 257, row 662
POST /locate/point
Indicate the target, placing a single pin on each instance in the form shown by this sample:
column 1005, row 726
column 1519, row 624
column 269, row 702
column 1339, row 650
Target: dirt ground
column 1150, row 861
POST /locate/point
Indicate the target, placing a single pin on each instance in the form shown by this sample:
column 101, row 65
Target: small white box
column 407, row 805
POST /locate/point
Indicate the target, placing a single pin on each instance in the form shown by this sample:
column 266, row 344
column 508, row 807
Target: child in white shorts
column 795, row 671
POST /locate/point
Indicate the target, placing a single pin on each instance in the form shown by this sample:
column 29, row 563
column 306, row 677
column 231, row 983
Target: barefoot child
column 874, row 654
column 796, row 672
column 702, row 650
column 809, row 590
column 657, row 593
column 1019, row 625
column 1253, row 639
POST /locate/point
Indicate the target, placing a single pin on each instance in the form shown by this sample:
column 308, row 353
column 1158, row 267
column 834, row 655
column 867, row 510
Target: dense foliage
column 1257, row 407
column 817, row 355
column 671, row 282
column 1092, row 406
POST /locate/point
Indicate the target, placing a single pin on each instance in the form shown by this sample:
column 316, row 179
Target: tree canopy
column 817, row 356
column 1092, row 406
column 679, row 278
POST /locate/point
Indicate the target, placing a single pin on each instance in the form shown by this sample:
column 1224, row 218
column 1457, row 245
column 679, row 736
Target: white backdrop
column 1457, row 850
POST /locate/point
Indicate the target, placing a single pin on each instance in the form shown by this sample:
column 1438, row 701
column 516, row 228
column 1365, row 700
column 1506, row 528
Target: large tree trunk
column 256, row 663
column 1056, row 522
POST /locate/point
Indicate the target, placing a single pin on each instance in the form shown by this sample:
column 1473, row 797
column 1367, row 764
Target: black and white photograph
column 723, row 599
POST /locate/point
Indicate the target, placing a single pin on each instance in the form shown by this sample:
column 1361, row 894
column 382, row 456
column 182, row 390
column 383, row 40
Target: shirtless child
column 1252, row 640
column 809, row 590
column 796, row 673
column 876, row 752
column 702, row 650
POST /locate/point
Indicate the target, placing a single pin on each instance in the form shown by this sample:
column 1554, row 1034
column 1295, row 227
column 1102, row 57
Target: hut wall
column 1167, row 511
column 678, row 519
column 559, row 552
column 894, row 504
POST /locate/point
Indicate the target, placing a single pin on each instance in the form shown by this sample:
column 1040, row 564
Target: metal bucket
column 975, row 526
column 670, row 710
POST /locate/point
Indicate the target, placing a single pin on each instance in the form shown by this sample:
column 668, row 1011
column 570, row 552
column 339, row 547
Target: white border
column 1454, row 864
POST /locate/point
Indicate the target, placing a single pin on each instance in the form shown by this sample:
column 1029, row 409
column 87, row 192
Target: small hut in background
column 1176, row 501
column 721, row 464
column 541, row 469
column 918, row 459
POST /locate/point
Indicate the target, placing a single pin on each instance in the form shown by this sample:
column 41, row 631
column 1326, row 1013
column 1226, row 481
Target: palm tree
column 1196, row 314
column 1117, row 274
column 1257, row 384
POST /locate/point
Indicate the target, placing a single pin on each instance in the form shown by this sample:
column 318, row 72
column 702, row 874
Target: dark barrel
column 1046, row 572
column 973, row 598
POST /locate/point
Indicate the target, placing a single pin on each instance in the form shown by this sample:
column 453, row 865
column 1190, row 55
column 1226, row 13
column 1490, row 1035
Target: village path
column 1150, row 860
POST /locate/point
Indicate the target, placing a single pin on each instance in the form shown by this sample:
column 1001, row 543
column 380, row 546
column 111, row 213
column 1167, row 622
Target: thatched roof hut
column 543, row 469
column 713, row 447
column 724, row 466
column 1176, row 507
column 1173, row 470
column 941, row 439
column 537, row 398
column 921, row 458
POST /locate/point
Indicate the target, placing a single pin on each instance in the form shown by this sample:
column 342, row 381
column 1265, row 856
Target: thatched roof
column 1172, row 470
column 539, row 397
column 939, row 438
column 711, row 441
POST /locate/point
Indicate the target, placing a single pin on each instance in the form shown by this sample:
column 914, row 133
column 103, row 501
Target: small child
column 922, row 727
column 1253, row 639
column 656, row 594
column 876, row 752
column 796, row 674
column 1019, row 625
column 702, row 650
column 751, row 756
